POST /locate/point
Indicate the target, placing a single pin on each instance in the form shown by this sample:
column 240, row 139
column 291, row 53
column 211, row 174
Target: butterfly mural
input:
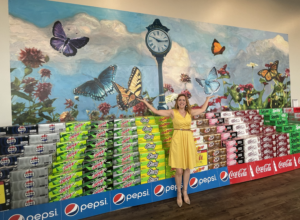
column 216, row 48
column 210, row 85
column 271, row 72
column 63, row 44
column 99, row 87
column 127, row 98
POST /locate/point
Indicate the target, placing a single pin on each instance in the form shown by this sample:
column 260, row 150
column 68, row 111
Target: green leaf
column 75, row 106
column 16, row 84
column 27, row 71
column 48, row 118
column 226, row 94
column 48, row 102
column 224, row 77
column 74, row 113
column 262, row 80
column 12, row 69
column 49, row 109
column 237, row 97
column 36, row 105
column 21, row 95
column 18, row 107
column 259, row 103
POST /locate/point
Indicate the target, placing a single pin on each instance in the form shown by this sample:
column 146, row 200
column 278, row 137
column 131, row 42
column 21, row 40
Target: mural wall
column 72, row 62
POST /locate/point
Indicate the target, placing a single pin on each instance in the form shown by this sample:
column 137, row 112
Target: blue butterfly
column 62, row 43
column 99, row 87
column 210, row 85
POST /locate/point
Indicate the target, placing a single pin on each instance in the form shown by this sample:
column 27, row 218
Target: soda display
column 51, row 128
column 21, row 129
column 39, row 149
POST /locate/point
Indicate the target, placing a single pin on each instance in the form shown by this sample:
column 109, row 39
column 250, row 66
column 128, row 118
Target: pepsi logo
column 29, row 193
column 44, row 137
column 119, row 199
column 224, row 176
column 159, row 190
column 40, row 149
column 71, row 209
column 34, row 160
column 11, row 140
column 21, row 129
column 193, row 182
column 17, row 217
column 29, row 184
column 52, row 127
column 12, row 149
column 29, row 202
column 5, row 161
column 1, row 174
column 29, row 174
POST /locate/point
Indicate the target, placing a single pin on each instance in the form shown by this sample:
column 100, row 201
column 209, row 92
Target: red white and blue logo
column 224, row 176
column 119, row 199
column 193, row 182
column 159, row 190
column 12, row 149
column 40, row 149
column 21, row 129
column 52, row 127
column 28, row 174
column 34, row 160
column 71, row 209
column 44, row 137
column 5, row 161
column 17, row 217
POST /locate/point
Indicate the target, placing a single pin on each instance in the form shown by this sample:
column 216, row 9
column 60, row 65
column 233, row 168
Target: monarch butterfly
column 271, row 72
column 216, row 48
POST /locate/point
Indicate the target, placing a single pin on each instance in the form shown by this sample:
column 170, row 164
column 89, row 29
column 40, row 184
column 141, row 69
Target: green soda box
column 153, row 164
column 139, row 121
column 64, row 177
column 97, row 190
column 264, row 111
column 98, row 152
column 165, row 125
column 122, row 123
column 295, row 146
column 166, row 139
column 153, row 171
column 150, row 146
column 295, row 151
column 100, row 142
column 125, row 139
column 294, row 141
column 276, row 111
column 297, row 127
column 127, row 184
column 67, row 165
column 279, row 116
column 78, row 126
column 270, row 111
column 122, row 159
column 64, row 188
column 166, row 131
column 151, row 137
column 97, row 163
column 151, row 179
column 94, row 174
column 278, row 122
column 286, row 128
column 152, row 155
column 147, row 129
column 126, row 148
column 295, row 134
column 100, row 133
column 102, row 124
column 120, row 170
column 162, row 119
column 65, row 196
column 73, row 136
column 97, row 182
column 67, row 146
column 71, row 155
column 127, row 176
column 267, row 122
column 128, row 131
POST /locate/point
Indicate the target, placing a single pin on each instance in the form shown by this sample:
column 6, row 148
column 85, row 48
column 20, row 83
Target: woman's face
column 181, row 102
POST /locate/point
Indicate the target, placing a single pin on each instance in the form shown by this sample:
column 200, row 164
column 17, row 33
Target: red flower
column 30, row 83
column 223, row 70
column 139, row 109
column 104, row 108
column 225, row 108
column 186, row 93
column 69, row 103
column 269, row 64
column 211, row 103
column 185, row 78
column 168, row 87
column 287, row 72
column 121, row 116
column 245, row 87
column 45, row 73
column 249, row 86
column 219, row 99
column 31, row 57
column 196, row 107
column 43, row 91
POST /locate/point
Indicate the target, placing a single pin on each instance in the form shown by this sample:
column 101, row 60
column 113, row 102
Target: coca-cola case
column 248, row 119
column 13, row 140
column 21, row 129
column 257, row 118
column 239, row 113
column 267, row 138
column 227, row 114
column 33, row 173
column 234, row 120
column 252, row 112
column 44, row 138
column 12, row 149
column 30, row 183
column 237, row 127
column 256, row 125
column 29, row 202
column 269, row 129
column 35, row 161
column 282, row 136
column 39, row 149
column 29, row 193
column 255, row 131
column 251, row 147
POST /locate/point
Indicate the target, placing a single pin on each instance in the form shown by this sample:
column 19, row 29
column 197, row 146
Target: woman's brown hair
column 187, row 106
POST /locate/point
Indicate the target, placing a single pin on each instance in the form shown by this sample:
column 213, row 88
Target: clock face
column 158, row 41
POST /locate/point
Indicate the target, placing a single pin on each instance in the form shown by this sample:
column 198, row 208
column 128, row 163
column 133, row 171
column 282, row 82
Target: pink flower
column 32, row 57
column 223, row 70
column 65, row 117
column 186, row 93
column 69, row 103
column 104, row 108
column 121, row 116
column 185, row 78
column 43, row 91
column 45, row 73
column 269, row 64
column 168, row 87
column 211, row 103
column 287, row 72
column 30, row 84
column 139, row 109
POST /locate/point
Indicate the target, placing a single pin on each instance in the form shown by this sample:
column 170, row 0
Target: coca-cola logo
column 266, row 139
column 282, row 137
column 255, row 131
column 237, row 174
column 239, row 113
column 267, row 145
column 269, row 129
column 251, row 141
column 285, row 164
column 281, row 143
column 235, row 120
column 265, row 168
column 252, row 154
column 267, row 151
column 238, row 127
column 252, row 147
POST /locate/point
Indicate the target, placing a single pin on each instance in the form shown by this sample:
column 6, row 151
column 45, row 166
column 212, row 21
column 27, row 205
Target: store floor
column 276, row 197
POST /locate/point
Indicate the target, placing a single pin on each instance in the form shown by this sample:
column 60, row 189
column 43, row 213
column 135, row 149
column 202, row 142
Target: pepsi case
column 9, row 160
column 30, row 183
column 12, row 149
column 33, row 173
column 34, row 161
column 29, row 202
column 44, row 138
column 128, row 183
column 21, row 129
column 2, row 131
column 14, row 140
column 29, row 193
column 94, row 174
column 39, row 149
column 97, row 190
column 51, row 128
column 5, row 172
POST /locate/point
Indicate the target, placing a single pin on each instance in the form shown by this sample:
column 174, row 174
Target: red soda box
column 288, row 110
column 242, row 132
column 269, row 129
column 268, row 156
column 255, row 131
column 255, row 125
column 248, row 119
column 257, row 118
column 215, row 121
column 282, row 136
column 270, row 144
column 227, row 114
column 283, row 142
column 210, row 115
column 281, row 154
column 252, row 112
column 239, row 113
column 267, row 138
column 234, row 120
column 252, row 159
column 229, row 135
column 252, row 153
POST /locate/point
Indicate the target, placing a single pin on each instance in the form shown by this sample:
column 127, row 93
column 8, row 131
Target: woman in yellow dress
column 183, row 152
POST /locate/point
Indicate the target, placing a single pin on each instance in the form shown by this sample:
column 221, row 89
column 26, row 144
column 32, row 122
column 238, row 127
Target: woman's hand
column 142, row 100
column 209, row 97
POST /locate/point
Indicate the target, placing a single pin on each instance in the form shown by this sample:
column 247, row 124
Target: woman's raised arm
column 166, row 113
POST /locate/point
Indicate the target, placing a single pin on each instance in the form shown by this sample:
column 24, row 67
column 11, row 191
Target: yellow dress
column 183, row 153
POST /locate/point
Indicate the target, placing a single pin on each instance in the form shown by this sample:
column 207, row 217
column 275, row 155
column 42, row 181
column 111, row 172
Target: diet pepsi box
column 97, row 190
column 12, row 149
column 36, row 160
column 30, row 183
column 9, row 160
column 33, row 173
column 5, row 172
column 29, row 202
column 13, row 140
column 21, row 129
column 51, row 128
column 44, row 138
column 39, row 149
column 29, row 193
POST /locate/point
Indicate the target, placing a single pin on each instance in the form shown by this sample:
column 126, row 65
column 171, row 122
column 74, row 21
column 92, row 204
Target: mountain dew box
column 128, row 131
column 151, row 179
column 67, row 165
column 73, row 136
column 162, row 119
column 286, row 128
column 120, row 170
column 153, row 171
column 64, row 177
column 278, row 122
column 126, row 148
column 65, row 196
column 147, row 129
column 73, row 154
column 166, row 125
column 98, row 152
column 66, row 187
column 145, row 121
column 153, row 164
column 166, row 131
column 78, row 126
column 102, row 124
column 122, row 123
column 97, row 190
column 128, row 183
column 127, row 176
column 97, row 163
column 150, row 137
column 150, row 146
column 152, row 155
column 101, row 133
column 97, row 182
column 66, row 146
column 125, row 139
column 94, row 174
column 100, row 142
column 122, row 159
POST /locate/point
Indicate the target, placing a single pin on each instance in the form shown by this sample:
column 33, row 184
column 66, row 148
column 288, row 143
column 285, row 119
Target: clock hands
column 159, row 40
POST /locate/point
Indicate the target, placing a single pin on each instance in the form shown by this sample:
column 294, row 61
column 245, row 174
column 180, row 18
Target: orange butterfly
column 271, row 72
column 216, row 48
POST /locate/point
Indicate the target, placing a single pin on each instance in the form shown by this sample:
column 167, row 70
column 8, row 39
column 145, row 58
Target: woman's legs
column 178, row 180
column 186, row 179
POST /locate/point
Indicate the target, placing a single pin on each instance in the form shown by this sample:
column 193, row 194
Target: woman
column 182, row 151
